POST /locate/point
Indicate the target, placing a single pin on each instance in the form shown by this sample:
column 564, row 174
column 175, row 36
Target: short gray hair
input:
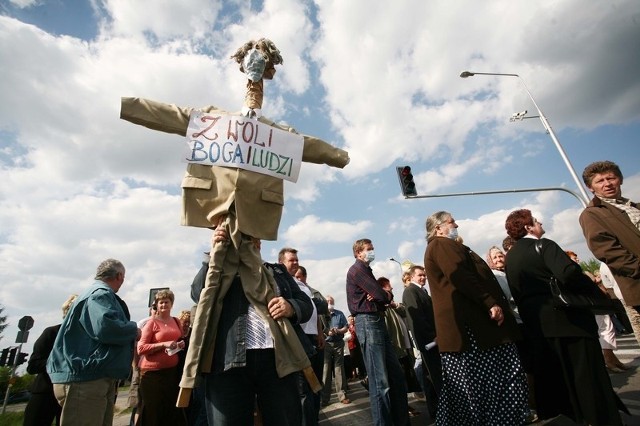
column 109, row 268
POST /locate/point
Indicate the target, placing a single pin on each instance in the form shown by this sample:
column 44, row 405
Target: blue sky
column 81, row 185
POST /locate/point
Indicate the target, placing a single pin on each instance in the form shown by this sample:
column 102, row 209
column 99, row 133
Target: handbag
column 596, row 302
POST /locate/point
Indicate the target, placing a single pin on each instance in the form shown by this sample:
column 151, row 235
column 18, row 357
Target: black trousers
column 571, row 379
column 310, row 400
column 41, row 409
column 159, row 393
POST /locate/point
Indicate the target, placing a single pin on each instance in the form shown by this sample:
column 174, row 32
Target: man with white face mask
column 366, row 301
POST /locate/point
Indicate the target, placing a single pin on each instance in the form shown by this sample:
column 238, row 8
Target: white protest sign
column 246, row 143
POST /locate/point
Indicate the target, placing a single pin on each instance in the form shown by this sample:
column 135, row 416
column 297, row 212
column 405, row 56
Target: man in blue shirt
column 335, row 327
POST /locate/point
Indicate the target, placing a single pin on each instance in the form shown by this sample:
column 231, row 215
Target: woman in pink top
column 161, row 337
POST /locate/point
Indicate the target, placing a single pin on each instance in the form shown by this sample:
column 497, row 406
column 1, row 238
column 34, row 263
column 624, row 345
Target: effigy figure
column 243, row 196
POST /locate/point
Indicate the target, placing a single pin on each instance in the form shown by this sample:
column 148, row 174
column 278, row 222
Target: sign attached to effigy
column 236, row 141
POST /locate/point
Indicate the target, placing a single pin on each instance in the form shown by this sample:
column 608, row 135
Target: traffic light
column 3, row 357
column 22, row 358
column 12, row 356
column 407, row 185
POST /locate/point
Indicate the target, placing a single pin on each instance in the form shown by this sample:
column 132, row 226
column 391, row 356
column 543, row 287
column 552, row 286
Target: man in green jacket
column 93, row 350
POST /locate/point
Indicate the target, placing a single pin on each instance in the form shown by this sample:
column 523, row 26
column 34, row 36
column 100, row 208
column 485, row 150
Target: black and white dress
column 482, row 387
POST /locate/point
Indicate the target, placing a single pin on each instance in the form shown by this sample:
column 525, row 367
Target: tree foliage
column 19, row 382
column 3, row 321
column 592, row 265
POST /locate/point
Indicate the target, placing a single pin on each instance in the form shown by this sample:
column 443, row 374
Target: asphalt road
column 626, row 384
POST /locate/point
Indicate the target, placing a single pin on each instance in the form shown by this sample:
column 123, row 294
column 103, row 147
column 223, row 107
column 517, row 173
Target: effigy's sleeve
column 320, row 152
column 154, row 115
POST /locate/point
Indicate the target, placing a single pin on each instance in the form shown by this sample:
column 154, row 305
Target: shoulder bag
column 564, row 298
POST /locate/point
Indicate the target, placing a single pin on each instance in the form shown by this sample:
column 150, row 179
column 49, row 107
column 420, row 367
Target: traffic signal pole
column 11, row 378
column 24, row 325
column 504, row 191
column 408, row 188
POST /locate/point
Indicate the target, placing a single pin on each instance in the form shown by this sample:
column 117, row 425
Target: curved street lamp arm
column 547, row 127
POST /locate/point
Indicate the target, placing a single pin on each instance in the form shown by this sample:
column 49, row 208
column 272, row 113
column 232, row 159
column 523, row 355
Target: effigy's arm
column 155, row 115
column 159, row 116
column 320, row 152
column 316, row 150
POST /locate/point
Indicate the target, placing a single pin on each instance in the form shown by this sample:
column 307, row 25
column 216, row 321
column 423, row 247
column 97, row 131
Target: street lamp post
column 398, row 262
column 546, row 125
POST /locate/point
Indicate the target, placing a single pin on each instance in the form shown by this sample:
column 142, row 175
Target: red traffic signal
column 407, row 185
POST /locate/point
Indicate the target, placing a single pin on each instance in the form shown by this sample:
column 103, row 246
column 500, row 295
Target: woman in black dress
column 568, row 368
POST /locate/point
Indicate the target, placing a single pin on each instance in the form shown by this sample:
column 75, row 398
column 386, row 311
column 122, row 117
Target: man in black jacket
column 43, row 406
column 419, row 307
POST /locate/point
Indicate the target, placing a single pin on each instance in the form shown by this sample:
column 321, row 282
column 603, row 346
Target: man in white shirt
column 313, row 330
column 610, row 283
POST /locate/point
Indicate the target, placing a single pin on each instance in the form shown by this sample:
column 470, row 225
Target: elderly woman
column 568, row 367
column 496, row 261
column 483, row 380
column 162, row 335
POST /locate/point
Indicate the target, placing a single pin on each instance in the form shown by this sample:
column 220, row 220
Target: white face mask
column 330, row 306
column 254, row 65
column 370, row 256
column 453, row 233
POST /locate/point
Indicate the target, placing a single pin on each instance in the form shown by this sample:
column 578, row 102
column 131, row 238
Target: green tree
column 5, row 373
column 3, row 321
column 19, row 382
column 592, row 265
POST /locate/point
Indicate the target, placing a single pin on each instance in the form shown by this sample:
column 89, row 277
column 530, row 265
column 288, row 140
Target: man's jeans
column 387, row 386
column 231, row 395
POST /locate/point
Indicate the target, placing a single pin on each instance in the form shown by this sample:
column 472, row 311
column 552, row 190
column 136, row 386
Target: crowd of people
column 491, row 346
